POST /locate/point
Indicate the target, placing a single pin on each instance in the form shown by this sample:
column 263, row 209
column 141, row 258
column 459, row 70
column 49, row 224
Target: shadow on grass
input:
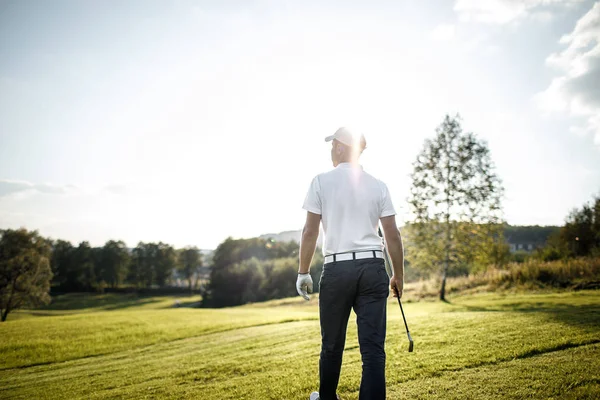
column 585, row 315
column 185, row 304
column 81, row 301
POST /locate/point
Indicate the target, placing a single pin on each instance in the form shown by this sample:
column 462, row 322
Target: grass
column 510, row 345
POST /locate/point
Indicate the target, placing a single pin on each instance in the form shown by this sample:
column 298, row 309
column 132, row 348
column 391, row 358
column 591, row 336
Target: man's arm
column 308, row 242
column 393, row 242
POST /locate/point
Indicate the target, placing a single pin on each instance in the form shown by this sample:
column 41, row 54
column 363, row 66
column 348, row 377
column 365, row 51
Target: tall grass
column 559, row 274
column 576, row 273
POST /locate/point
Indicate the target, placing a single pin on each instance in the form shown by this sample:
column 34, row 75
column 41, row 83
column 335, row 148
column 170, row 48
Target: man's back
column 350, row 202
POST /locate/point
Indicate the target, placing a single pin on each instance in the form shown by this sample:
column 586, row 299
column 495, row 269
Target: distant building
column 529, row 247
column 528, row 238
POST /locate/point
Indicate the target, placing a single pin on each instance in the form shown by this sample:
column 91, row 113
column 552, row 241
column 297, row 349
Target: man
column 351, row 203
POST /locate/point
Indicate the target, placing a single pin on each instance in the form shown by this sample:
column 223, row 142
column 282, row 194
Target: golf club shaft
column 404, row 318
column 387, row 259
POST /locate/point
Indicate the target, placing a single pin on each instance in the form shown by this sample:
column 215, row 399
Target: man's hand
column 304, row 284
column 397, row 286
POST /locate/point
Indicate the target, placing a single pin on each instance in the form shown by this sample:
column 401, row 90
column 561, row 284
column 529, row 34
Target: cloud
column 443, row 32
column 9, row 187
column 115, row 189
column 577, row 90
column 505, row 11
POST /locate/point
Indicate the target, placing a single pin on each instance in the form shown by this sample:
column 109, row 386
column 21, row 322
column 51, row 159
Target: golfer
column 351, row 203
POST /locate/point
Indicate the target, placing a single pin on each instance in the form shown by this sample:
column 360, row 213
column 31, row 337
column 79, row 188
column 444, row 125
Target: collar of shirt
column 349, row 165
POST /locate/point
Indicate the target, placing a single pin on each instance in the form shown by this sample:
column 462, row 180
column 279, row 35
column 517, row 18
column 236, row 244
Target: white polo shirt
column 350, row 202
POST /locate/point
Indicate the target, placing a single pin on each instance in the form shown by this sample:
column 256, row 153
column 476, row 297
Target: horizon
column 260, row 236
column 191, row 122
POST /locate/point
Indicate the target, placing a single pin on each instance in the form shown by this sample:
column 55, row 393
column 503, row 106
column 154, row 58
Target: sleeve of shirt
column 387, row 208
column 312, row 202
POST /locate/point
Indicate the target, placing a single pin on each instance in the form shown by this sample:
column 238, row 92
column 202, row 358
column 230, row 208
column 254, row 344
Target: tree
column 138, row 266
column 85, row 260
column 243, row 271
column 580, row 236
column 114, row 262
column 63, row 266
column 190, row 260
column 143, row 264
column 455, row 198
column 233, row 251
column 280, row 278
column 25, row 273
column 149, row 272
column 165, row 261
column 152, row 264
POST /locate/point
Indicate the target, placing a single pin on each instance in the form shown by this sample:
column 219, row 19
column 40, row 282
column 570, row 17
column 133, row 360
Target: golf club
column 387, row 260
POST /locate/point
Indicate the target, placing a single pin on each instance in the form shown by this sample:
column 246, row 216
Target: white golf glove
column 304, row 284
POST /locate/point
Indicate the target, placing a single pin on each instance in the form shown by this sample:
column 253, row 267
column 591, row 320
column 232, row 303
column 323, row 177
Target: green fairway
column 480, row 346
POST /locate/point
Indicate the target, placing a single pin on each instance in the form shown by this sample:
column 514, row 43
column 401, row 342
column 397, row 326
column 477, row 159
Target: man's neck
column 348, row 164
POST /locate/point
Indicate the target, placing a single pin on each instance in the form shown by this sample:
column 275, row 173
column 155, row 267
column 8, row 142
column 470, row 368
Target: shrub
column 575, row 273
column 559, row 273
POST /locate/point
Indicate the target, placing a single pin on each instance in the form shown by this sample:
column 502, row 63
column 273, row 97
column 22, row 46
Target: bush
column 519, row 256
column 559, row 273
column 254, row 280
column 579, row 273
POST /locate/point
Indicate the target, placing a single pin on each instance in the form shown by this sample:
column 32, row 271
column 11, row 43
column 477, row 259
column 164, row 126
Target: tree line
column 243, row 270
column 86, row 268
column 457, row 229
column 31, row 264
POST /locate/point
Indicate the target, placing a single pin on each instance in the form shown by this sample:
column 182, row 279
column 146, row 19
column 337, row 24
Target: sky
column 190, row 121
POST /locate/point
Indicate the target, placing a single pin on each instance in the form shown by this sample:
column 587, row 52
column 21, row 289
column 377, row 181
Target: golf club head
column 411, row 344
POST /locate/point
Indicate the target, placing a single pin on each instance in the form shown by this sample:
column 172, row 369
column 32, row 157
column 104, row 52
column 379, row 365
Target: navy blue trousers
column 362, row 285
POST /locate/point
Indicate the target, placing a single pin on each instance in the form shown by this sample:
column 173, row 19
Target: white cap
column 347, row 137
